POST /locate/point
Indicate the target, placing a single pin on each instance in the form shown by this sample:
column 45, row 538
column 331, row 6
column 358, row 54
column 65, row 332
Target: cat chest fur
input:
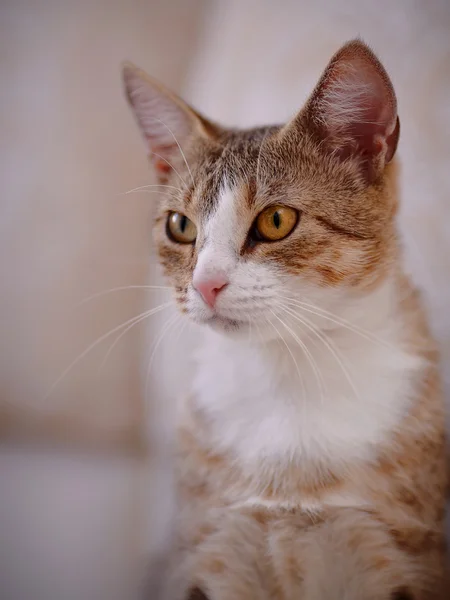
column 271, row 404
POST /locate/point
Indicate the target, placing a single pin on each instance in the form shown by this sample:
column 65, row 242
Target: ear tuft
column 354, row 109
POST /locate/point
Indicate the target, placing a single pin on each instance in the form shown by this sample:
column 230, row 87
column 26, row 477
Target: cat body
column 311, row 447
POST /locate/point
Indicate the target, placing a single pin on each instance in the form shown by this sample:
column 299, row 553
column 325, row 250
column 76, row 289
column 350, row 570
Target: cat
column 310, row 451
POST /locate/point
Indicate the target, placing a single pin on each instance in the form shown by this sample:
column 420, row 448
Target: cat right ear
column 353, row 110
column 166, row 122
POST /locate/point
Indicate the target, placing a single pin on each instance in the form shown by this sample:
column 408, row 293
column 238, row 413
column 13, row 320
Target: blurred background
column 84, row 426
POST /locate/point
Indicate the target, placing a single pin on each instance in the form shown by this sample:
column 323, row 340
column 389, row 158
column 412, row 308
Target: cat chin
column 239, row 330
column 228, row 326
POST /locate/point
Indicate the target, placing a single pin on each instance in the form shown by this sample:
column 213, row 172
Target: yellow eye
column 181, row 229
column 275, row 223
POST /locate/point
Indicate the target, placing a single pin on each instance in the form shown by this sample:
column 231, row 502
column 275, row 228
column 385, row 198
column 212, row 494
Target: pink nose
column 209, row 288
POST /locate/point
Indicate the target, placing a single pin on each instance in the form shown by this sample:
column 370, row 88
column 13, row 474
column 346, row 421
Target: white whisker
column 179, row 147
column 329, row 316
column 120, row 336
column 310, row 358
column 176, row 317
column 124, row 287
column 159, row 192
column 180, row 331
column 172, row 167
column 280, row 336
column 154, row 185
column 91, row 347
column 329, row 344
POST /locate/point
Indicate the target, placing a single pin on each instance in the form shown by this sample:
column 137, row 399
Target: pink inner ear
column 161, row 166
column 354, row 106
column 160, row 156
column 374, row 110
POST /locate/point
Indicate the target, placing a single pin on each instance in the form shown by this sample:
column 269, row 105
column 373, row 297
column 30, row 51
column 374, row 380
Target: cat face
column 253, row 222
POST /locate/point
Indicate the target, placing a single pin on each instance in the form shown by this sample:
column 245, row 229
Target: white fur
column 264, row 401
column 217, row 253
column 254, row 398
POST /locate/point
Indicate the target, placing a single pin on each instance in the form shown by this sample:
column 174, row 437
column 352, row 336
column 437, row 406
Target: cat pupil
column 276, row 219
column 183, row 223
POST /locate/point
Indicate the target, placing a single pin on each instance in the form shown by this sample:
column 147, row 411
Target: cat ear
column 165, row 120
column 353, row 109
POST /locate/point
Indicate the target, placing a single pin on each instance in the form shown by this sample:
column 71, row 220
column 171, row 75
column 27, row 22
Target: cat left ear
column 353, row 109
column 166, row 122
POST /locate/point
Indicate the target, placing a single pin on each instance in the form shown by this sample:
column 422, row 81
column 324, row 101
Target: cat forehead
column 226, row 169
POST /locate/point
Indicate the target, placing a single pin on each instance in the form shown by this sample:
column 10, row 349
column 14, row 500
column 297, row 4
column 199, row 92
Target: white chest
column 271, row 403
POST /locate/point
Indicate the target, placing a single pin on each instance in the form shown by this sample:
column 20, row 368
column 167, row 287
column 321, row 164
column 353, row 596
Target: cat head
column 251, row 222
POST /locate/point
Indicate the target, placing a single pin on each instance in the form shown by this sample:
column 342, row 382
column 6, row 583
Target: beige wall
column 68, row 150
column 74, row 523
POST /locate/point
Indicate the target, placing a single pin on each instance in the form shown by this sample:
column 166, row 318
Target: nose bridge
column 213, row 260
column 217, row 258
column 211, row 274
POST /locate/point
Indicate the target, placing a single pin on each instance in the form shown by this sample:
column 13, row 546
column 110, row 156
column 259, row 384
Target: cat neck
column 334, row 403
